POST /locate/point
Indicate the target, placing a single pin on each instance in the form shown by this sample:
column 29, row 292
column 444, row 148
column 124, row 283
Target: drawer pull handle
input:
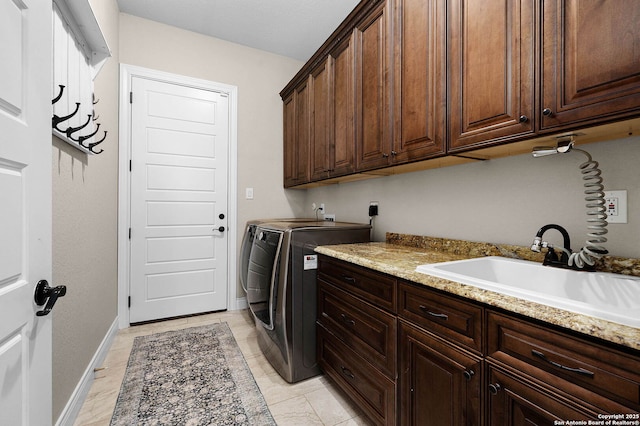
column 347, row 320
column 433, row 314
column 494, row 389
column 347, row 372
column 348, row 279
column 563, row 367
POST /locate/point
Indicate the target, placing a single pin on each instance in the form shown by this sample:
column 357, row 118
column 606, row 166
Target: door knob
column 44, row 292
column 221, row 228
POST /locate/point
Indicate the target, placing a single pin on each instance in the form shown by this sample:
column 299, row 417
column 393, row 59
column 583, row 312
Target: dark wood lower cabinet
column 374, row 393
column 475, row 365
column 439, row 384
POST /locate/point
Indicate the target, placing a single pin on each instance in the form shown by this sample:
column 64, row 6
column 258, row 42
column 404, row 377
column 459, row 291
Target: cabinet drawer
column 372, row 390
column 370, row 331
column 443, row 315
column 376, row 288
column 557, row 358
column 512, row 401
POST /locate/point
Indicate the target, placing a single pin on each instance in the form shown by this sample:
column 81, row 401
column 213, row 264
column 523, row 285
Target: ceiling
column 293, row 28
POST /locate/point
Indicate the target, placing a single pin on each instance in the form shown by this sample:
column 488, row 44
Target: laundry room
column 305, row 208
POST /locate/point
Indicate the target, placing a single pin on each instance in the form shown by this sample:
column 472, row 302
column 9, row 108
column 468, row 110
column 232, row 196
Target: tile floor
column 315, row 401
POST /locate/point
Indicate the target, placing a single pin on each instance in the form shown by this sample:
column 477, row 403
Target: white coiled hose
column 597, row 216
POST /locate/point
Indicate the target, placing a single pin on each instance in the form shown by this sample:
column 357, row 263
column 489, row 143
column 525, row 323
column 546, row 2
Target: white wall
column 84, row 231
column 502, row 201
column 259, row 77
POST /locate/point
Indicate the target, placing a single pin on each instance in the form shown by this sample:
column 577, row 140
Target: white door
column 179, row 146
column 25, row 210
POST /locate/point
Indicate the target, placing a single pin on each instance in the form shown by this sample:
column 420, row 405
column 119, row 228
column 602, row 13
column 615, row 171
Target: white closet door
column 179, row 140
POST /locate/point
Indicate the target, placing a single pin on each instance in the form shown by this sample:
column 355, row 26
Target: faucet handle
column 536, row 245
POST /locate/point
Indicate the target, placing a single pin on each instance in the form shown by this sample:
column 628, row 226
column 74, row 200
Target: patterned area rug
column 195, row 376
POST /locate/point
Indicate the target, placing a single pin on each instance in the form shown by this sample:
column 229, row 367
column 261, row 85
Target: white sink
column 612, row 297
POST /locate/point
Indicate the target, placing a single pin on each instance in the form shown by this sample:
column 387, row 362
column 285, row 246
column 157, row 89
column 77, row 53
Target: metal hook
column 71, row 130
column 91, row 145
column 55, row 120
column 85, row 137
column 57, row 98
column 93, row 99
column 95, row 117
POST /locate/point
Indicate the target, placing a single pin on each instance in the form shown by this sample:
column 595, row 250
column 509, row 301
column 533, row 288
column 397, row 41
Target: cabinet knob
column 524, row 118
column 394, row 153
column 547, row 112
column 494, row 388
column 468, row 374
column 385, row 155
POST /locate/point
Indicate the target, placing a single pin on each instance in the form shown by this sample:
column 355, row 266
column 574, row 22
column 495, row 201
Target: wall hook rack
column 68, row 133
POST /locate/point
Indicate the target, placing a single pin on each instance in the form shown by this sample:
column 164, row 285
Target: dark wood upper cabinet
column 590, row 61
column 372, row 53
column 289, row 141
column 419, row 97
column 321, row 125
column 401, row 81
column 296, row 116
column 342, row 153
column 332, row 132
column 491, row 70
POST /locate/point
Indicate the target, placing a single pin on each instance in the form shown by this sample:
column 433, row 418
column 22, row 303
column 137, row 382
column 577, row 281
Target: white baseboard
column 72, row 409
column 241, row 303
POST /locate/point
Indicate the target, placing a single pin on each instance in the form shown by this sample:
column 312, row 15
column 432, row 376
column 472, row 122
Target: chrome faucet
column 552, row 258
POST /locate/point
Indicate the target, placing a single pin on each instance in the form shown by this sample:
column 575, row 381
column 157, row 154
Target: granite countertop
column 401, row 254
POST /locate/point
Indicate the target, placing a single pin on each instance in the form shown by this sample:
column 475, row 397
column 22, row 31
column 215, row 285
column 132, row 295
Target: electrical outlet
column 373, row 208
column 321, row 208
column 249, row 193
column 616, row 206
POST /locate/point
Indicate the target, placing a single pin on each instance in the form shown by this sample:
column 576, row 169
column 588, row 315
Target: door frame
column 127, row 73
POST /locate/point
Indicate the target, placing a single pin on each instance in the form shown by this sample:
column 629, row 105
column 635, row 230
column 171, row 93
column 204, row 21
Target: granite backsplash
column 617, row 265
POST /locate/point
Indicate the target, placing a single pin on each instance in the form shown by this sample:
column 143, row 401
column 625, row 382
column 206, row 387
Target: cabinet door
column 439, row 384
column 289, row 141
column 296, row 142
column 320, row 123
column 419, row 79
column 342, row 151
column 373, row 142
column 514, row 402
column 491, row 70
column 591, row 61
